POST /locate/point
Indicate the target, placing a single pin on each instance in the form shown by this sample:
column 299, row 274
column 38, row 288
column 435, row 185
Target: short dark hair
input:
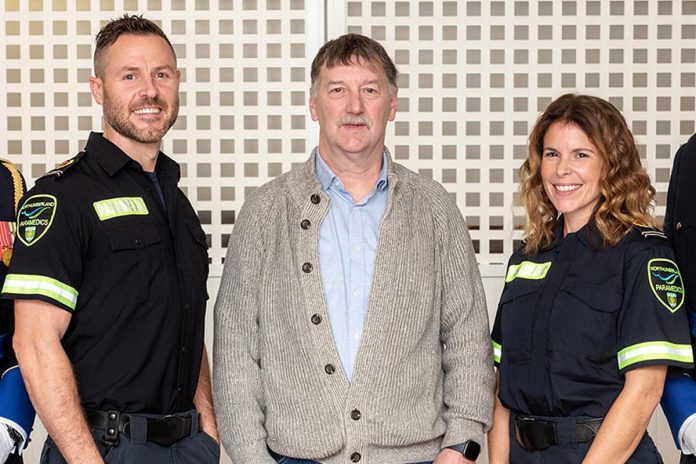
column 349, row 48
column 127, row 24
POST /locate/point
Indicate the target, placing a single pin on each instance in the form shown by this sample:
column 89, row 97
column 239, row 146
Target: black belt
column 537, row 434
column 164, row 431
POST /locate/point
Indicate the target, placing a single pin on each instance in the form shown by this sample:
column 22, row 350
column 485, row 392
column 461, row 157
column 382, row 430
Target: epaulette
column 17, row 182
column 64, row 166
column 649, row 232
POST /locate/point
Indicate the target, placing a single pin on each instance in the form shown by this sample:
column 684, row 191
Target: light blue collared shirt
column 348, row 240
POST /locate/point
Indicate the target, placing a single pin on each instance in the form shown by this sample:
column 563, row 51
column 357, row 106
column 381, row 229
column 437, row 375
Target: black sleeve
column 47, row 258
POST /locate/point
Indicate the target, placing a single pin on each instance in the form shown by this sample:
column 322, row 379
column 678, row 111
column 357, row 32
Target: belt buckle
column 174, row 428
column 534, row 435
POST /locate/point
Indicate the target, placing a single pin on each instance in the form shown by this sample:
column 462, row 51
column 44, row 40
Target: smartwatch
column 470, row 449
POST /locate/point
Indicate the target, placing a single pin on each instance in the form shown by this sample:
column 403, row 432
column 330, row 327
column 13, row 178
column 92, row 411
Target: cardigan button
column 316, row 319
column 306, row 224
column 307, row 268
column 329, row 369
column 679, row 226
column 315, row 198
column 355, row 457
column 355, row 414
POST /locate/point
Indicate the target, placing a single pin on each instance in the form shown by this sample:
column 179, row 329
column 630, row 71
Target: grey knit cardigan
column 423, row 378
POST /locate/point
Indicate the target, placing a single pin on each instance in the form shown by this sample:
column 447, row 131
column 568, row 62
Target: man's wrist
column 469, row 449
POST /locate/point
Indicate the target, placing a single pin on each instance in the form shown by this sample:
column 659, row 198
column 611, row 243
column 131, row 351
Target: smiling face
column 352, row 104
column 571, row 172
column 138, row 89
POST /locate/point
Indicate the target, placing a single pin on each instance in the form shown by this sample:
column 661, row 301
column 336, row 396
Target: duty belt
column 538, row 434
column 164, row 430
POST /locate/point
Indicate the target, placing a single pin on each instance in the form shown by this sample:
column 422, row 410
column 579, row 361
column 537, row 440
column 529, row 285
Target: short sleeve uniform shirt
column 575, row 317
column 95, row 240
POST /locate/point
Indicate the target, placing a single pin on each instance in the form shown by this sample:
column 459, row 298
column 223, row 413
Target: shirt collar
column 113, row 159
column 327, row 177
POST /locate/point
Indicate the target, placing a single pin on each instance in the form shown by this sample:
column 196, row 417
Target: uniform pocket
column 134, row 253
column 586, row 321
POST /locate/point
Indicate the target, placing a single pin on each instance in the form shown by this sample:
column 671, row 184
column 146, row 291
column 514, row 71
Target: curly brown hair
column 626, row 198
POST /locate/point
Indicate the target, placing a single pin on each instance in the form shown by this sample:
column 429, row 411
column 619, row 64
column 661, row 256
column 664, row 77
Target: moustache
column 148, row 102
column 354, row 120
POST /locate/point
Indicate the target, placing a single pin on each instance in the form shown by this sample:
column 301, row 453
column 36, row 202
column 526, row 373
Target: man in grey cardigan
column 350, row 324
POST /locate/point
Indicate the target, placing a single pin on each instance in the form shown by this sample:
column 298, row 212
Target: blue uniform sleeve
column 15, row 404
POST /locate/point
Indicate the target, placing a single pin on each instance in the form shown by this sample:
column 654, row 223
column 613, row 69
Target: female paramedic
column 592, row 310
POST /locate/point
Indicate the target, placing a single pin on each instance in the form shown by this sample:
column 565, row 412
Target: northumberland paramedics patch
column 35, row 218
column 666, row 283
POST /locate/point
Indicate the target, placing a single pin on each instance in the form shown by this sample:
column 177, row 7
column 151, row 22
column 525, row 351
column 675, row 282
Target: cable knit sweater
column 423, row 377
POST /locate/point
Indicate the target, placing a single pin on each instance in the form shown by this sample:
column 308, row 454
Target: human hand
column 450, row 456
column 7, row 444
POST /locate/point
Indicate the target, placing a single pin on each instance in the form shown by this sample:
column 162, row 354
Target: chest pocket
column 586, row 319
column 135, row 261
column 517, row 305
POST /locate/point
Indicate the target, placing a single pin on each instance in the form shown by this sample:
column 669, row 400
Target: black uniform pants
column 687, row 459
column 571, row 452
column 197, row 448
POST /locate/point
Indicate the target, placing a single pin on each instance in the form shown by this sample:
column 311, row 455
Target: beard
column 117, row 116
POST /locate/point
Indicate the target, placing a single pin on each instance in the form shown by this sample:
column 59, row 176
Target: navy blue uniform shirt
column 575, row 317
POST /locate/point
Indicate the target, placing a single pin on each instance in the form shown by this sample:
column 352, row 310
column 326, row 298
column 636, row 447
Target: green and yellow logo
column 666, row 283
column 35, row 218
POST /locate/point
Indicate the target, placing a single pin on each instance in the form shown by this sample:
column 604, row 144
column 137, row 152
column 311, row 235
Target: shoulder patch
column 35, row 218
column 64, row 166
column 666, row 283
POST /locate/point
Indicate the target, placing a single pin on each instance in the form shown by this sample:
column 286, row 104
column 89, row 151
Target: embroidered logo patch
column 35, row 218
column 666, row 283
column 117, row 207
column 527, row 270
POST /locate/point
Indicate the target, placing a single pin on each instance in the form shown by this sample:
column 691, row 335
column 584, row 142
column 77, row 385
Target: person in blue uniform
column 109, row 277
column 16, row 411
column 592, row 311
column 679, row 398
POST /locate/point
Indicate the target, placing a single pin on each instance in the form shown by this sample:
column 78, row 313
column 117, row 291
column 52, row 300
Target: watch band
column 470, row 449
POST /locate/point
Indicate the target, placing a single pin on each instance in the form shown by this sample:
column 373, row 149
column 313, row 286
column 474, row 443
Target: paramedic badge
column 35, row 218
column 666, row 283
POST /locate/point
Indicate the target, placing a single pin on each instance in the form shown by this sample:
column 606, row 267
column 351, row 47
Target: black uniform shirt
column 94, row 240
column 572, row 319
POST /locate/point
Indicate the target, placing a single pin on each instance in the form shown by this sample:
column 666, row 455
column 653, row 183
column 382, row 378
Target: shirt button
column 183, row 349
column 112, row 416
column 178, row 389
column 679, row 226
column 315, row 198
column 355, row 414
column 306, row 224
column 137, row 242
column 329, row 369
column 355, row 457
column 356, row 292
column 356, row 336
column 356, row 248
column 307, row 268
column 316, row 319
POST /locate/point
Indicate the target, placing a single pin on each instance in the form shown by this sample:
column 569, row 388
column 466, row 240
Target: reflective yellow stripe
column 497, row 352
column 28, row 284
column 650, row 351
column 527, row 270
column 116, row 207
